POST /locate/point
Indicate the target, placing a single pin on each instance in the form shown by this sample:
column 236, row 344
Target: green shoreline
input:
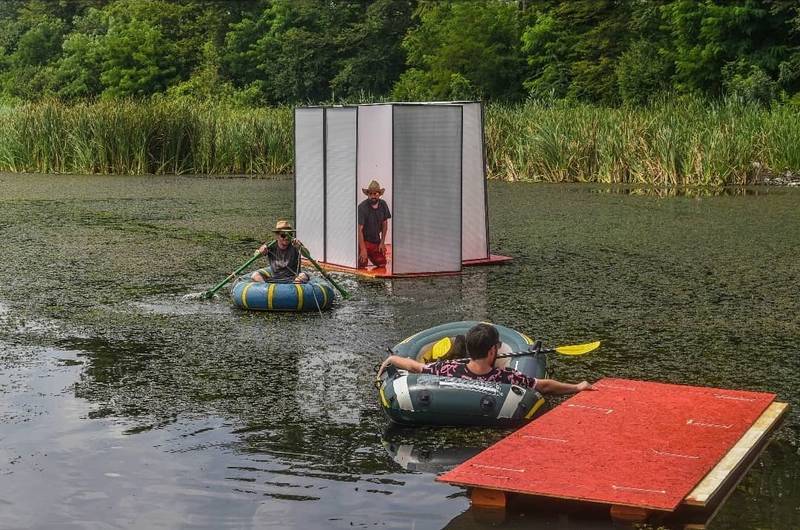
column 677, row 142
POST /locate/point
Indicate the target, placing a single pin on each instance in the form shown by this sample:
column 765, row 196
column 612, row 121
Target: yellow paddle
column 574, row 349
column 577, row 349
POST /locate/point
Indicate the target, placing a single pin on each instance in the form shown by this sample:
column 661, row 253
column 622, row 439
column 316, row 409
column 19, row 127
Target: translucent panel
column 309, row 179
column 427, row 189
column 375, row 151
column 341, row 243
column 474, row 243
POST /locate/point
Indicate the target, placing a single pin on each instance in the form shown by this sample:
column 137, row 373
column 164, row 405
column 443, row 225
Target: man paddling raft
column 483, row 343
column 283, row 255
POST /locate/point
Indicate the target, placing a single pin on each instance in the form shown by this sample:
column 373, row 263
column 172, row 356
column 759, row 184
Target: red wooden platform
column 629, row 444
column 386, row 271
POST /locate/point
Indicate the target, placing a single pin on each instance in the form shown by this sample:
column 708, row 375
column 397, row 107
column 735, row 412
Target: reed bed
column 676, row 142
column 154, row 137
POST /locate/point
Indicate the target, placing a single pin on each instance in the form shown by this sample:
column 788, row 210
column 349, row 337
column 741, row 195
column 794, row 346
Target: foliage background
column 270, row 52
column 666, row 92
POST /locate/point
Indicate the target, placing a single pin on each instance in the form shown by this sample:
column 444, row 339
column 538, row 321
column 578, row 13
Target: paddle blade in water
column 196, row 296
column 578, row 349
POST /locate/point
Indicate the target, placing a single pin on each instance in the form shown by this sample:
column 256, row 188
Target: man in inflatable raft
column 482, row 343
column 283, row 255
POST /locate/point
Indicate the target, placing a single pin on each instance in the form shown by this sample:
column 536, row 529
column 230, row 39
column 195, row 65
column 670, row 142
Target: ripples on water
column 125, row 402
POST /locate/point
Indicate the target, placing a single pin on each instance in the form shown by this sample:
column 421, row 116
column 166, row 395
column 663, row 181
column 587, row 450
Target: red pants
column 374, row 255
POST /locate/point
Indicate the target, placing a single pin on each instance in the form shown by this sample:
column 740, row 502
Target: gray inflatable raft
column 424, row 399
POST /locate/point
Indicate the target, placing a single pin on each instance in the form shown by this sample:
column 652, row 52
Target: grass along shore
column 685, row 142
column 158, row 137
column 677, row 142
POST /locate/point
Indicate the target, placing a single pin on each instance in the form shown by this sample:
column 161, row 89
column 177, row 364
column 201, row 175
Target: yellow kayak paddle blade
column 578, row 349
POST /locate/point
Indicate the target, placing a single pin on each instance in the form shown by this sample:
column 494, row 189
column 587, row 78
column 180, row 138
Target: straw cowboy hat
column 283, row 226
column 373, row 186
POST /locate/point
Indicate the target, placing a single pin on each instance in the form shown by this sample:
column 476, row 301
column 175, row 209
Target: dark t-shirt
column 459, row 369
column 372, row 219
column 285, row 264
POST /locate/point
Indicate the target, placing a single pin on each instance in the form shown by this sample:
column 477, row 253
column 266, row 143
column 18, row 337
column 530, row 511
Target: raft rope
column 313, row 286
column 314, row 295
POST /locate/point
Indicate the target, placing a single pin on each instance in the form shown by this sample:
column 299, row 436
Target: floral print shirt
column 498, row 375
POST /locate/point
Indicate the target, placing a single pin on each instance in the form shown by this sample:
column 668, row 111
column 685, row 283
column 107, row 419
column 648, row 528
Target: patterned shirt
column 507, row 376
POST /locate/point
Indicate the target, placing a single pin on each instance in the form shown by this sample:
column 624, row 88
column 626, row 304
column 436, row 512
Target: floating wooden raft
column 386, row 271
column 637, row 446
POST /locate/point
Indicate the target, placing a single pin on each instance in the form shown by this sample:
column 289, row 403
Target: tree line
column 274, row 52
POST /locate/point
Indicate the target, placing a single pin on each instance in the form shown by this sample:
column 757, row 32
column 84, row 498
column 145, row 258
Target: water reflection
column 533, row 517
column 423, row 453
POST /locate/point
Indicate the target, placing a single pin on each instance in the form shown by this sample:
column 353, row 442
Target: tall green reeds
column 677, row 141
column 159, row 136
column 674, row 142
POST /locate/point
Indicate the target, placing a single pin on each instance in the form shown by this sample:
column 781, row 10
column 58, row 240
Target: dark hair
column 480, row 338
column 458, row 348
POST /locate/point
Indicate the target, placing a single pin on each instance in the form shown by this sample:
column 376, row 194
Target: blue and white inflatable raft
column 260, row 296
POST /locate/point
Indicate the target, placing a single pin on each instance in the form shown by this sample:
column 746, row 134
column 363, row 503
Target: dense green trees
column 312, row 50
column 463, row 50
column 285, row 51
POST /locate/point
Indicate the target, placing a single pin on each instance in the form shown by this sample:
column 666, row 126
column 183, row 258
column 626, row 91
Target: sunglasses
column 283, row 235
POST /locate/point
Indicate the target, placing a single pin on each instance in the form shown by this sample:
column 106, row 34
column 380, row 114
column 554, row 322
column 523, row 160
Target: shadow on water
column 119, row 391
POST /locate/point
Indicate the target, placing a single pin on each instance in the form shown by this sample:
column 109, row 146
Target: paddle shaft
column 577, row 349
column 304, row 251
column 512, row 354
column 210, row 292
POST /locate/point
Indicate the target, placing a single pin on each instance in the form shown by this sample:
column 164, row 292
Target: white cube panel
column 375, row 152
column 474, row 237
column 341, row 243
column 427, row 189
column 310, row 178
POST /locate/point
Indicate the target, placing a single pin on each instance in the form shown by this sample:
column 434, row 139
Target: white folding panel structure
column 474, row 218
column 309, row 160
column 374, row 157
column 426, row 185
column 340, row 186
column 429, row 157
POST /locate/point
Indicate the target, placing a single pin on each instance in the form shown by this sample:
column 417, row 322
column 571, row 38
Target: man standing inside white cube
column 373, row 224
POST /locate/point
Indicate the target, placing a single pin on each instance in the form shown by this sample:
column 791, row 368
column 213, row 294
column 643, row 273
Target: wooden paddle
column 306, row 254
column 208, row 294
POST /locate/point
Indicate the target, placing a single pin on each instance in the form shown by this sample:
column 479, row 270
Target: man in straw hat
column 284, row 257
column 373, row 223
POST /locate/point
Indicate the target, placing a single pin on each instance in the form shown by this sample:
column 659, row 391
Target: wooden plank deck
column 715, row 481
column 387, row 273
column 724, row 433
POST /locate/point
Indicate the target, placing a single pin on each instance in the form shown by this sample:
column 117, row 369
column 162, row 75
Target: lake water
column 126, row 404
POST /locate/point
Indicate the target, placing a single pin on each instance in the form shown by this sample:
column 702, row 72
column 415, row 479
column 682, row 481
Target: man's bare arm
column 384, row 230
column 403, row 363
column 551, row 386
